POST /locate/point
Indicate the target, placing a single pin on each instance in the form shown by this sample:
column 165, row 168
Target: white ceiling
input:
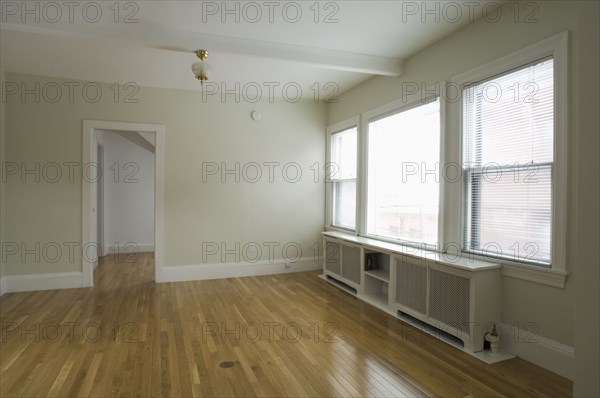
column 360, row 39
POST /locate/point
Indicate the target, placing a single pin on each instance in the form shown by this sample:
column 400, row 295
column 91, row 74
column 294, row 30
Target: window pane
column 508, row 150
column 513, row 214
column 509, row 119
column 403, row 169
column 344, row 204
column 343, row 176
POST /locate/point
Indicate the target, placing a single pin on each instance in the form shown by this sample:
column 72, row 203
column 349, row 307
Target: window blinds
column 508, row 146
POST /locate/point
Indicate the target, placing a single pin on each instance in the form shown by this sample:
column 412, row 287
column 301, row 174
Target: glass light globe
column 201, row 68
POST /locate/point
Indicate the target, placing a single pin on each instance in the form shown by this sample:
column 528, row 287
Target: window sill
column 532, row 273
column 411, row 254
column 333, row 228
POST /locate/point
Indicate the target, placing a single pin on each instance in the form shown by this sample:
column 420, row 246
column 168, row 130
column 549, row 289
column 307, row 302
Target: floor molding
column 549, row 354
column 179, row 273
column 34, row 282
column 128, row 248
column 2, row 286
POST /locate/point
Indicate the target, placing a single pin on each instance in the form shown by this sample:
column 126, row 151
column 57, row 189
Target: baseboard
column 2, row 286
column 34, row 282
column 180, row 273
column 549, row 354
column 128, row 248
column 148, row 247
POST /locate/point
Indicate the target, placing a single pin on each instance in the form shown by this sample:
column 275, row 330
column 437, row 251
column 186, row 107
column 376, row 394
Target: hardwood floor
column 280, row 335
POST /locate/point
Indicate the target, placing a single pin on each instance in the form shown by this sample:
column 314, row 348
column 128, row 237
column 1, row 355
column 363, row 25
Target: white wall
column 552, row 310
column 587, row 296
column 197, row 211
column 129, row 194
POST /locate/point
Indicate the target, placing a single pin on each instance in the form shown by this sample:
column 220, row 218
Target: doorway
column 91, row 236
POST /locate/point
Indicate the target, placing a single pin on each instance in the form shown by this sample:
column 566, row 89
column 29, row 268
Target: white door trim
column 88, row 155
column 100, row 203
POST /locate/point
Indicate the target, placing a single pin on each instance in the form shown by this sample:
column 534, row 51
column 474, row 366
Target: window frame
column 555, row 47
column 405, row 104
column 451, row 191
column 353, row 122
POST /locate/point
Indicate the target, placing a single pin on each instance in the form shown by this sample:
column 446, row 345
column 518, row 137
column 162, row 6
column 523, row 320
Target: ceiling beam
column 185, row 41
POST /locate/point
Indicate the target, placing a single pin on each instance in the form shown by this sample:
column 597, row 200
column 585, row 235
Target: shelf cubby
column 376, row 290
column 380, row 265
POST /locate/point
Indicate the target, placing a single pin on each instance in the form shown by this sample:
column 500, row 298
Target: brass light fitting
column 201, row 68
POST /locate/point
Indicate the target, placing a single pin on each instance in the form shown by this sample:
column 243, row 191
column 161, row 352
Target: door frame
column 89, row 155
column 100, row 203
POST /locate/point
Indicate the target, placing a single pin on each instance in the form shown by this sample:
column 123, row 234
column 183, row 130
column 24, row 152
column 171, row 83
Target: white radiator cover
column 462, row 303
column 461, row 299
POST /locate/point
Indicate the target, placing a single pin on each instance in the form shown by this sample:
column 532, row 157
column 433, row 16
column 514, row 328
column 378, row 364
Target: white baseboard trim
column 148, row 247
column 129, row 248
column 2, row 286
column 180, row 273
column 549, row 354
column 34, row 282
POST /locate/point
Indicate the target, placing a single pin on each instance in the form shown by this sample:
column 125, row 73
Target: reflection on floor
column 280, row 335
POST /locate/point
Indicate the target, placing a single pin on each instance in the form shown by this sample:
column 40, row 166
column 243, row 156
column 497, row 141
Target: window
column 403, row 184
column 508, row 164
column 489, row 185
column 342, row 169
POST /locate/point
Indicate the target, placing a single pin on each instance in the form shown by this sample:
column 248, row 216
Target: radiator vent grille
column 449, row 299
column 351, row 263
column 411, row 286
column 332, row 257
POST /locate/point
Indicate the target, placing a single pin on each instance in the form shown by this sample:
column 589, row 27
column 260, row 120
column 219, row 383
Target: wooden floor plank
column 284, row 335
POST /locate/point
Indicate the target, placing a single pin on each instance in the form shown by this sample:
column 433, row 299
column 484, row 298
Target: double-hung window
column 403, row 175
column 508, row 164
column 342, row 171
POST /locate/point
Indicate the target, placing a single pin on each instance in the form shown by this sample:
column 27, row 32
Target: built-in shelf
column 457, row 297
column 381, row 274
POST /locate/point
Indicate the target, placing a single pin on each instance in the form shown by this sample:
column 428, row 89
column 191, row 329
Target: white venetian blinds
column 508, row 146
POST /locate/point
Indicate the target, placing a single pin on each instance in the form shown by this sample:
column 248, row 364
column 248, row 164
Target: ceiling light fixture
column 201, row 69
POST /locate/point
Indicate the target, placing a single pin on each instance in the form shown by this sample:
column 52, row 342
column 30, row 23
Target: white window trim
column 401, row 105
column 331, row 130
column 555, row 46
